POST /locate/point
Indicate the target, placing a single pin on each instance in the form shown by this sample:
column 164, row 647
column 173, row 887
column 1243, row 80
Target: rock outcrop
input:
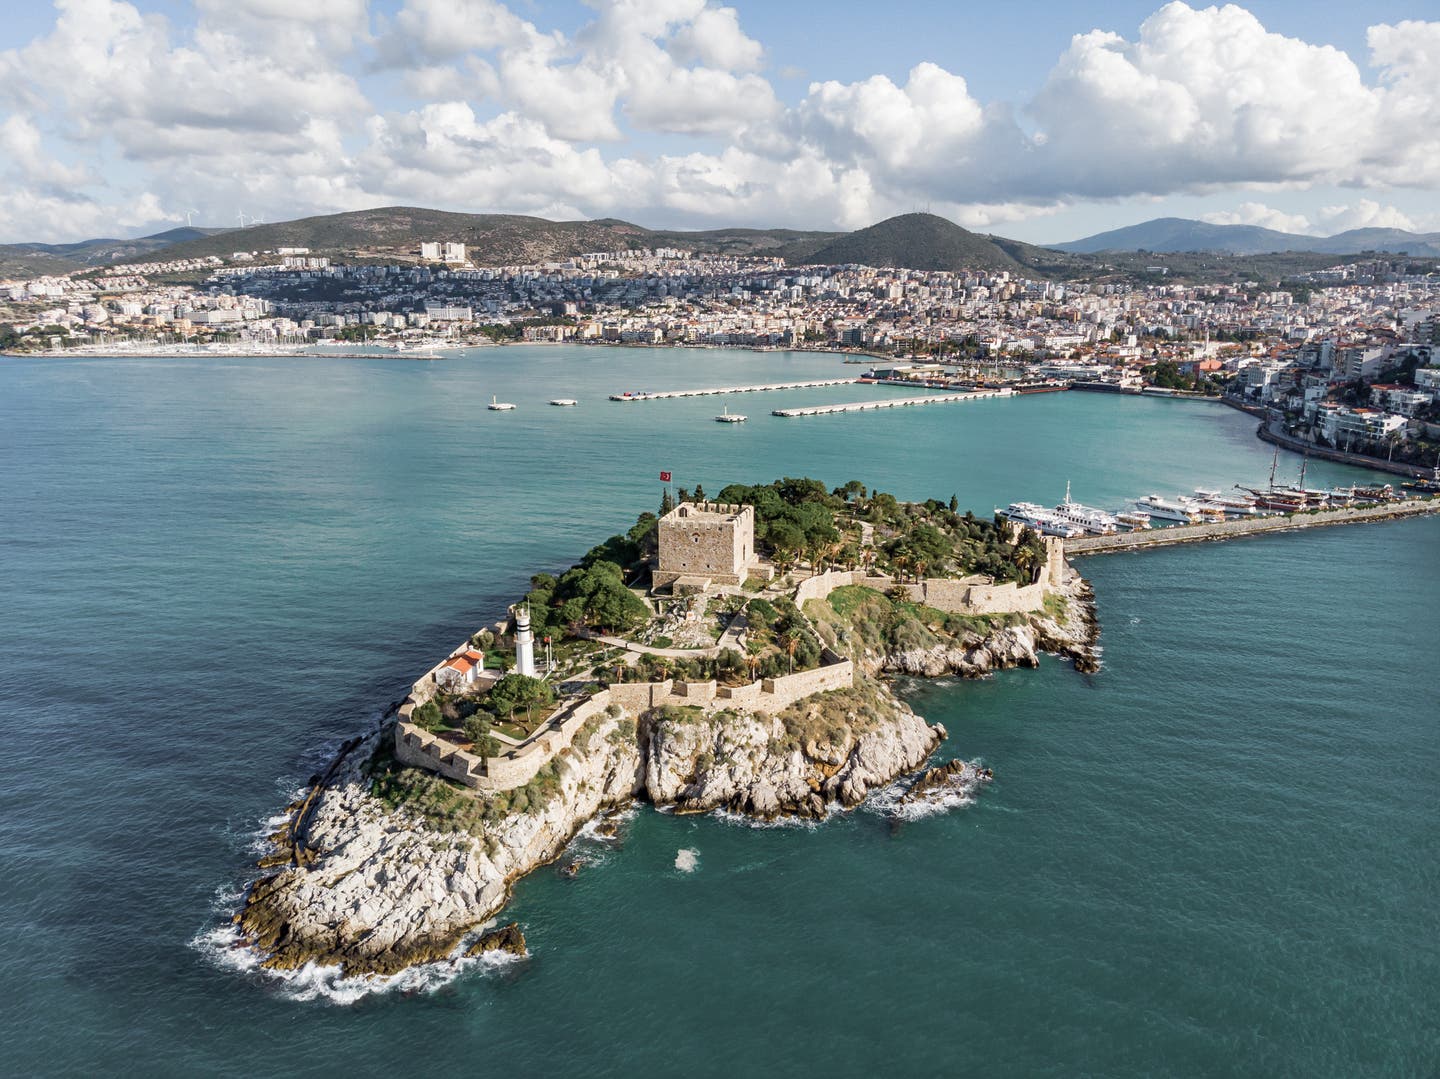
column 376, row 889
column 972, row 654
column 375, row 881
column 836, row 747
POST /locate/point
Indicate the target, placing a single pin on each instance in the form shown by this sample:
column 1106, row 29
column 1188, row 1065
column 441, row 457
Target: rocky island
column 721, row 654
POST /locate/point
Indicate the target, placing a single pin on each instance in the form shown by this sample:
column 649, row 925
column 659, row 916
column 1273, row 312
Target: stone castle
column 700, row 545
column 706, row 543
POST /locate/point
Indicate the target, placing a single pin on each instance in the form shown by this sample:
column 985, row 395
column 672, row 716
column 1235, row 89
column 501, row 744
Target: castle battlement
column 706, row 543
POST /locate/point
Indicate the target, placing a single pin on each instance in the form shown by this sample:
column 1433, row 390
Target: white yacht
column 1086, row 517
column 1133, row 520
column 730, row 417
column 1205, row 511
column 564, row 402
column 1234, row 505
column 1156, row 506
column 1039, row 518
column 496, row 405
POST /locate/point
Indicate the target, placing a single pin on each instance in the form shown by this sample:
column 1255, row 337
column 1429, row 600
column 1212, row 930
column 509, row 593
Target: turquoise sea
column 1218, row 856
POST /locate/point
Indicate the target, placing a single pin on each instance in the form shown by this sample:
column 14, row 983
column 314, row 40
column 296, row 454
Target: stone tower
column 524, row 643
column 702, row 543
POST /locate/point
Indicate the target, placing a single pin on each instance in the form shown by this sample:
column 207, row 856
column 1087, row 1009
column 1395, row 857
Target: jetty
column 1249, row 526
column 712, row 391
column 893, row 402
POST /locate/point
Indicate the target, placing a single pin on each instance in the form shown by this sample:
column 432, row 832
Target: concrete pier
column 1220, row 530
column 893, row 402
column 661, row 395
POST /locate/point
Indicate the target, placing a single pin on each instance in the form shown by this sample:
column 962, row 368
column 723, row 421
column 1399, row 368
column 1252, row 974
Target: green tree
column 483, row 742
column 518, row 690
column 427, row 716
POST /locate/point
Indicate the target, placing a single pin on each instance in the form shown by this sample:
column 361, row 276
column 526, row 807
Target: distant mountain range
column 917, row 241
column 1175, row 234
column 62, row 258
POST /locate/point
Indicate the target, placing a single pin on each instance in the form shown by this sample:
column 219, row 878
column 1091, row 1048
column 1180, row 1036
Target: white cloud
column 661, row 110
column 1364, row 214
column 1266, row 217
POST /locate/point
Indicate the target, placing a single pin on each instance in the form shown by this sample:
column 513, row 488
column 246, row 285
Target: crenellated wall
column 421, row 749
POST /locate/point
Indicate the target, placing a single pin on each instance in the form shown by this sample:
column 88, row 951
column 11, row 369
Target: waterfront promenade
column 1270, row 432
column 1220, row 530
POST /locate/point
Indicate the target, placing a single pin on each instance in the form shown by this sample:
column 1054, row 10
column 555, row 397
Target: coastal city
column 720, row 537
column 1343, row 358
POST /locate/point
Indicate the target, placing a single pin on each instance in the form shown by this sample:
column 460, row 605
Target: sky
column 1044, row 121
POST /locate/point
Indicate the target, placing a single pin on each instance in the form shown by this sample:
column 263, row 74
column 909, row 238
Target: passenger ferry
column 1156, row 506
column 1086, row 517
column 1042, row 520
column 1235, row 505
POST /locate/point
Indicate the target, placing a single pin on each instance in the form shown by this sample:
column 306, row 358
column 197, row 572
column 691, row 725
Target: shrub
column 427, row 716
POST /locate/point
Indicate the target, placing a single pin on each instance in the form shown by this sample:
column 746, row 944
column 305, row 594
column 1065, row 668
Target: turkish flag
column 664, row 477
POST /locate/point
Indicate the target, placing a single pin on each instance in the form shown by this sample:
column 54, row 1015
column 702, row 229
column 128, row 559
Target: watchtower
column 705, row 543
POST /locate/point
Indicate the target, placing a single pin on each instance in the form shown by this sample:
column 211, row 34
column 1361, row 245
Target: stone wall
column 954, row 595
column 1164, row 537
column 421, row 749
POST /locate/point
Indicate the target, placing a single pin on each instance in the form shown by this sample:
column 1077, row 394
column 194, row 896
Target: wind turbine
column 241, row 216
column 189, row 214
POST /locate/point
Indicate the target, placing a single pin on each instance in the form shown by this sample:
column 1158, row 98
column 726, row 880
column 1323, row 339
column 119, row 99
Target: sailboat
column 496, row 405
column 728, row 417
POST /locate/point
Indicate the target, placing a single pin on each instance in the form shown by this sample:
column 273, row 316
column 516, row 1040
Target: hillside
column 915, row 241
column 490, row 239
column 1177, row 234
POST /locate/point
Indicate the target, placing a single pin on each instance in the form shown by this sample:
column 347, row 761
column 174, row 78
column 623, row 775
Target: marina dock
column 710, row 392
column 1220, row 530
column 893, row 402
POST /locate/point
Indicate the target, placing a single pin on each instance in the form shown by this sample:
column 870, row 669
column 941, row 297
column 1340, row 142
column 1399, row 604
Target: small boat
column 1136, row 521
column 497, row 405
column 730, row 417
column 564, row 402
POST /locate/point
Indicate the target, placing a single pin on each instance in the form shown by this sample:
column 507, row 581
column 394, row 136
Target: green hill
column 915, row 241
column 490, row 239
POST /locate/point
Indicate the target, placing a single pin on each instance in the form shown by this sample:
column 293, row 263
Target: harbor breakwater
column 1219, row 530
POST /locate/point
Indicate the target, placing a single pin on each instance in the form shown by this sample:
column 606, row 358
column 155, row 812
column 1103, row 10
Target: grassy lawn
column 512, row 730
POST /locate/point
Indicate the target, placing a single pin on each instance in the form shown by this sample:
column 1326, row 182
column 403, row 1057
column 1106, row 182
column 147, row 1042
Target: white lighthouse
column 524, row 643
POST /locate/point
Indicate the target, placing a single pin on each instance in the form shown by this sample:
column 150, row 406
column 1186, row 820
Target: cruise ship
column 1156, row 506
column 1086, row 518
column 1039, row 518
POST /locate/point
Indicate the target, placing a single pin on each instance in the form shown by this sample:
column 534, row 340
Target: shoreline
column 1359, row 460
column 373, row 888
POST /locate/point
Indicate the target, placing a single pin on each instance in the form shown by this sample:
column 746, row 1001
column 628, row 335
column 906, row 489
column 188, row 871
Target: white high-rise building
column 454, row 253
column 430, row 252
